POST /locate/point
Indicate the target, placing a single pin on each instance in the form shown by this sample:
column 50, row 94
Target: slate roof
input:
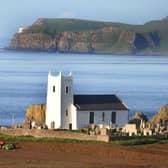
column 98, row 102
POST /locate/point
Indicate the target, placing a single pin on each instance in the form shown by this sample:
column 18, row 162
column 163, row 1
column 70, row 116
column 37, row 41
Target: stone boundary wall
column 47, row 133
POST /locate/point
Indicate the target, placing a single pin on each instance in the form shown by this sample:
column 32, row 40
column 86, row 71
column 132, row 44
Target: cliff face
column 34, row 41
column 35, row 113
column 162, row 115
column 105, row 38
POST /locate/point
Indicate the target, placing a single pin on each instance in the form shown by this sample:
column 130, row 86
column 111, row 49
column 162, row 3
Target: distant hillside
column 82, row 36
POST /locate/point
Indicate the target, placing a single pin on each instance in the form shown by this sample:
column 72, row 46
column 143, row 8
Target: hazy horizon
column 21, row 13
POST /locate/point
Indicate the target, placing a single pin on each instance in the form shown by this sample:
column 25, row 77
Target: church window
column 91, row 118
column 66, row 112
column 103, row 116
column 54, row 89
column 67, row 89
column 113, row 117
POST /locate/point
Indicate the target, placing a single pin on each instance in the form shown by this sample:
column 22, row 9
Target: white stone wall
column 122, row 118
column 53, row 111
column 83, row 118
column 74, row 117
column 66, row 101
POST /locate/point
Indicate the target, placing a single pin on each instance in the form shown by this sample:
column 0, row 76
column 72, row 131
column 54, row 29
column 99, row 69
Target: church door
column 70, row 126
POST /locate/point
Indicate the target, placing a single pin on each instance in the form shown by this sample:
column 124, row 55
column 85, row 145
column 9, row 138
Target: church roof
column 98, row 102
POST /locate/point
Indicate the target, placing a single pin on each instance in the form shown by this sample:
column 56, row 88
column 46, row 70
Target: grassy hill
column 55, row 26
column 75, row 35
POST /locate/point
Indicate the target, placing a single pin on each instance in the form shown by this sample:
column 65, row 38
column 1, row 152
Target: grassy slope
column 54, row 26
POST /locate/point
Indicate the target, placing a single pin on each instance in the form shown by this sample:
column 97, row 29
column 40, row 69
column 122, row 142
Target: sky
column 21, row 13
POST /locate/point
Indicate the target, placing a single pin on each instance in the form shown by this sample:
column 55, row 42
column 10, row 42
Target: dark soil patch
column 71, row 155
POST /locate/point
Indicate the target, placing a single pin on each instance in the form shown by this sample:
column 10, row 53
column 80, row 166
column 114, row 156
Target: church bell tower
column 59, row 101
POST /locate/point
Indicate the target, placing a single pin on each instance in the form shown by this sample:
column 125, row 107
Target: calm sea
column 140, row 81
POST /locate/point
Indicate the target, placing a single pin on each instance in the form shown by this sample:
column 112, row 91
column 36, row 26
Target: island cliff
column 81, row 36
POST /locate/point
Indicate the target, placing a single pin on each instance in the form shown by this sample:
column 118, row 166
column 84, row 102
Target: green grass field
column 130, row 142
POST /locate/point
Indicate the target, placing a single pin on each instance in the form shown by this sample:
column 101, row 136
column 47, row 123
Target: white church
column 68, row 111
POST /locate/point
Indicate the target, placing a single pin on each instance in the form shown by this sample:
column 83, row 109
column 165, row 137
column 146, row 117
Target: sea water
column 140, row 81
